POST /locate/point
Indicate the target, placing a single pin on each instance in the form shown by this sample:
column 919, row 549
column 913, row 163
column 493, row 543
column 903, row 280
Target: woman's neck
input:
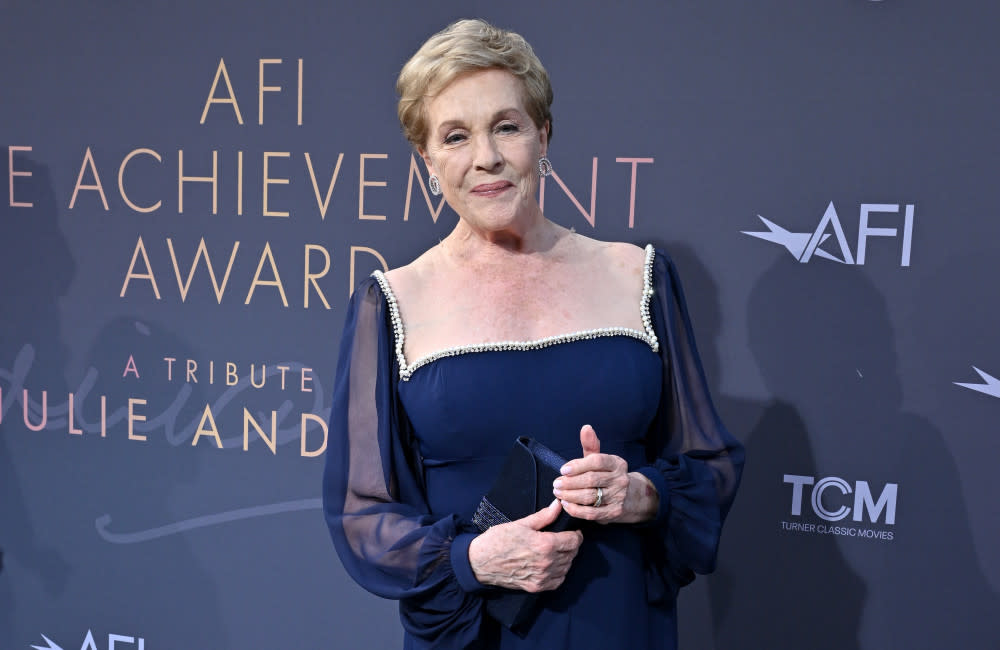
column 465, row 243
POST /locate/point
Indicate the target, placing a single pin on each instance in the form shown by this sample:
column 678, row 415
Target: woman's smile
column 491, row 189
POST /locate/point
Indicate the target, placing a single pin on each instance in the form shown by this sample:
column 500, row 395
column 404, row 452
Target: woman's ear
column 543, row 138
column 427, row 161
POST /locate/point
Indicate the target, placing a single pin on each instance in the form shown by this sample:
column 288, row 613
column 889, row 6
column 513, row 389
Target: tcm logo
column 862, row 503
column 115, row 642
column 804, row 245
column 990, row 385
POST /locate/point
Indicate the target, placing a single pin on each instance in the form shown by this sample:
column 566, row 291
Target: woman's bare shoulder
column 620, row 258
column 408, row 279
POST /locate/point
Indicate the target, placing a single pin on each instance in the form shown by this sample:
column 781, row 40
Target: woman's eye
column 453, row 138
column 508, row 128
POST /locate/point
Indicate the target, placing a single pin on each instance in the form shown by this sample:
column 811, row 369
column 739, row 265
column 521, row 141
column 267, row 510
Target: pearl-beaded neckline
column 406, row 370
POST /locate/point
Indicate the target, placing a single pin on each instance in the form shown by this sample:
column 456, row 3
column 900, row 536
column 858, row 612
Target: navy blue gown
column 414, row 445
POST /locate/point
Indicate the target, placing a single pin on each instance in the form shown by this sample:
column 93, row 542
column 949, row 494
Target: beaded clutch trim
column 488, row 515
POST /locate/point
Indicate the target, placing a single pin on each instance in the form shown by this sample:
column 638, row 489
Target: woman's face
column 484, row 149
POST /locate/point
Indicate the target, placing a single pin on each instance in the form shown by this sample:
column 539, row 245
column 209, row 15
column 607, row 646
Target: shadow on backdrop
column 704, row 606
column 133, row 482
column 61, row 578
column 776, row 588
column 36, row 268
column 937, row 570
column 825, row 346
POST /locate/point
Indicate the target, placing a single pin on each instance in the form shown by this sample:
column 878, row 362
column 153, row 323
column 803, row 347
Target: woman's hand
column 518, row 555
column 625, row 497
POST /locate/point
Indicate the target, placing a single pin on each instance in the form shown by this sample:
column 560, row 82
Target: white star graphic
column 794, row 242
column 990, row 385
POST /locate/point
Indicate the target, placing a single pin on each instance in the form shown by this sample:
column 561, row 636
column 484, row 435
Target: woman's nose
column 487, row 154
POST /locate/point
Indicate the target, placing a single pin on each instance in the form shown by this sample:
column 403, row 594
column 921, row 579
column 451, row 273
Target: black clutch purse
column 523, row 487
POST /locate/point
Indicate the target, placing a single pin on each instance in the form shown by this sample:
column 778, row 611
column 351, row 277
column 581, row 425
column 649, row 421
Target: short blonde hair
column 467, row 46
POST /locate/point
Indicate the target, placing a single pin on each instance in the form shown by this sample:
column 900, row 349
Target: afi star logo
column 804, row 245
column 115, row 642
column 990, row 385
column 49, row 645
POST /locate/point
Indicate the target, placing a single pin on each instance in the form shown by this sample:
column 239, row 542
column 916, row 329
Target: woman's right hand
column 518, row 555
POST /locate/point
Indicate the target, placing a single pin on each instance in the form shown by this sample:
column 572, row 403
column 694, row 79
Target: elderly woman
column 513, row 326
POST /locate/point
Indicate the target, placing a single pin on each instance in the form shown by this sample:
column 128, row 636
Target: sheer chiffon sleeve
column 372, row 495
column 694, row 463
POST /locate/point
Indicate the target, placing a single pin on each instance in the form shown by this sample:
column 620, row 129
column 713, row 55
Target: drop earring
column 435, row 185
column 544, row 166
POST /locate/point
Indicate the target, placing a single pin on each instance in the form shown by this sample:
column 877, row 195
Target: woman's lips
column 490, row 189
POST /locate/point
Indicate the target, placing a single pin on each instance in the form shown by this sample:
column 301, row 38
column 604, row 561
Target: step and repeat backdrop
column 192, row 189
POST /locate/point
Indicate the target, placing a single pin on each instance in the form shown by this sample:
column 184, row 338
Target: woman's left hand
column 624, row 497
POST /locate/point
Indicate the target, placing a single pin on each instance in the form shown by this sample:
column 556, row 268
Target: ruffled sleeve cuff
column 695, row 516
column 659, row 482
column 460, row 565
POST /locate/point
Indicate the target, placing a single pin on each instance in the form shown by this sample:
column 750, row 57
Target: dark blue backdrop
column 836, row 338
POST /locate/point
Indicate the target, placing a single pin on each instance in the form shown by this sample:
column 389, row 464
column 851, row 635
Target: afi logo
column 115, row 642
column 804, row 245
column 989, row 386
column 862, row 502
